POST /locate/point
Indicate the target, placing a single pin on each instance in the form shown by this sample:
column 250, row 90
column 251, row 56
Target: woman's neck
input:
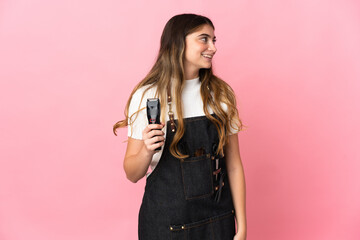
column 191, row 75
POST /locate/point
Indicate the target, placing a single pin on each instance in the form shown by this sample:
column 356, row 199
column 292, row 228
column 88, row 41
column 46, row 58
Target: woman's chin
column 206, row 67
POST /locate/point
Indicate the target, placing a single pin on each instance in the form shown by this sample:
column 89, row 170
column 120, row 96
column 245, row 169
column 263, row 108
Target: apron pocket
column 197, row 177
column 221, row 227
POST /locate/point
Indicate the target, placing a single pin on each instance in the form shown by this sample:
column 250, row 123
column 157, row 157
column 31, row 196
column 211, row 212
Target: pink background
column 67, row 68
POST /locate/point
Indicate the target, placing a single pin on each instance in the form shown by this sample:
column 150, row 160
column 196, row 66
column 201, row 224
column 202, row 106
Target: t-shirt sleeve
column 135, row 127
column 233, row 122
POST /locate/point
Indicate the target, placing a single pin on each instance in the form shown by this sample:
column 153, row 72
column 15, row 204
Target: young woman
column 197, row 184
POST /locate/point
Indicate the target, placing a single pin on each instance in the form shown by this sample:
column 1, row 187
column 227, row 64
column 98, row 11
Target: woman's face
column 199, row 49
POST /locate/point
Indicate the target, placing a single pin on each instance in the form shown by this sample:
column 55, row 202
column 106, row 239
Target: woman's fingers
column 152, row 133
column 151, row 127
column 153, row 137
column 155, row 133
column 154, row 142
column 154, row 145
column 152, row 130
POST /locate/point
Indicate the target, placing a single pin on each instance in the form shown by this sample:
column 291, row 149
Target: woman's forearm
column 237, row 182
column 238, row 190
column 139, row 153
column 137, row 165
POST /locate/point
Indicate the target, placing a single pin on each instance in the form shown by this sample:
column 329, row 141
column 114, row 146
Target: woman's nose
column 212, row 47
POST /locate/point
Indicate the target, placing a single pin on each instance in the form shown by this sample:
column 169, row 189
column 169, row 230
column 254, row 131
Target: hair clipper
column 153, row 112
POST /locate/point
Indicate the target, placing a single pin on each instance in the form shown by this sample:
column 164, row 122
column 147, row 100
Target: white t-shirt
column 192, row 107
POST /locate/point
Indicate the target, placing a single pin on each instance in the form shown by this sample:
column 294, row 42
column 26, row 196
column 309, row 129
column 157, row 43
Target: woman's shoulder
column 140, row 96
column 144, row 92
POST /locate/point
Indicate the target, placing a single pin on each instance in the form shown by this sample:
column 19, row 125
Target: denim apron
column 190, row 198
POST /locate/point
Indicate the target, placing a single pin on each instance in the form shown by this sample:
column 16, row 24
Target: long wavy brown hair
column 168, row 70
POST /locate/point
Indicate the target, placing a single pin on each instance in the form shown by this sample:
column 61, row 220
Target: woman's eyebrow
column 207, row 35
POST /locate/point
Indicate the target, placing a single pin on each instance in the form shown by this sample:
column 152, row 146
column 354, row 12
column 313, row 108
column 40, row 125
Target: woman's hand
column 153, row 137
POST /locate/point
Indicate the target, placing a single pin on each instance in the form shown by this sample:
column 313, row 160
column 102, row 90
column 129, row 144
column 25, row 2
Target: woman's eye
column 205, row 39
